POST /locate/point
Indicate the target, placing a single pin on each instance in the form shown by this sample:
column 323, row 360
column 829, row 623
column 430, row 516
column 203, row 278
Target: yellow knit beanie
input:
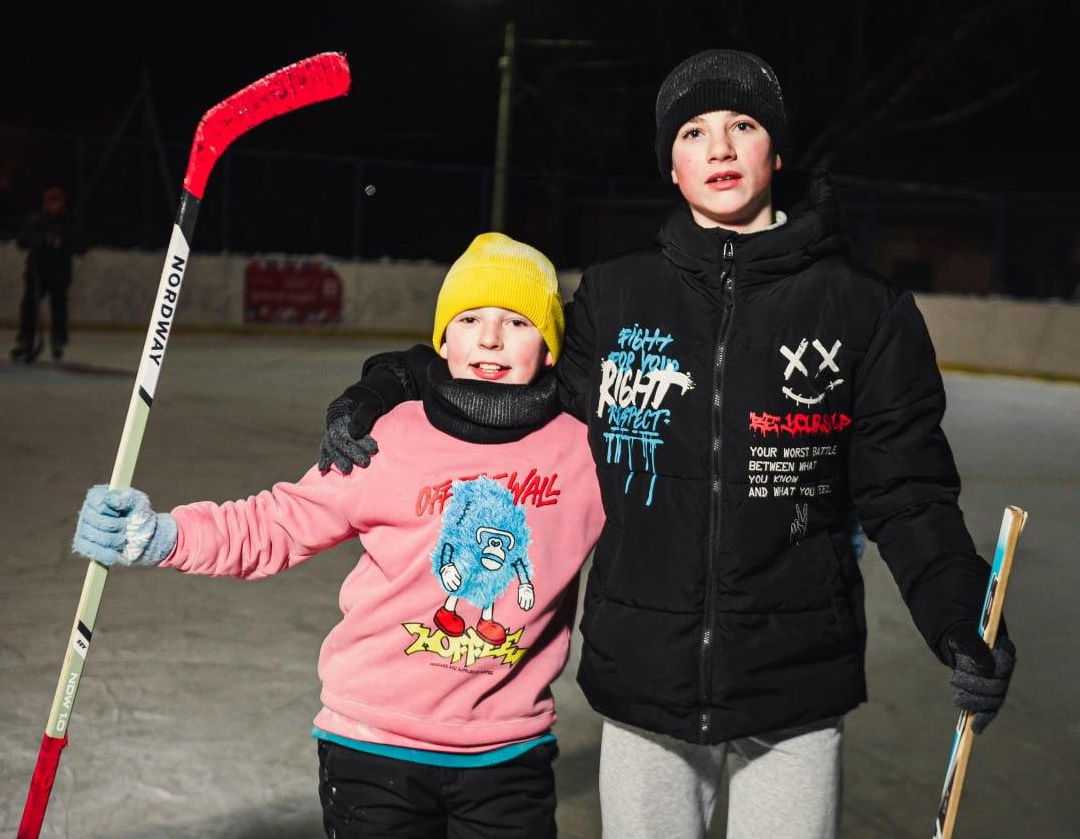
column 498, row 271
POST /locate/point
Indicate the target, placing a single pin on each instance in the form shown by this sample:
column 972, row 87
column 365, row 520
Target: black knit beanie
column 719, row 80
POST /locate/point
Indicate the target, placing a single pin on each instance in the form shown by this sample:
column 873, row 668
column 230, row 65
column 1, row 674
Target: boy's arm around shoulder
column 393, row 377
column 903, row 480
column 387, row 380
column 579, row 348
column 267, row 533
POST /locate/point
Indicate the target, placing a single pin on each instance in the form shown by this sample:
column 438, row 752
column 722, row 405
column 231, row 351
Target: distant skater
column 51, row 239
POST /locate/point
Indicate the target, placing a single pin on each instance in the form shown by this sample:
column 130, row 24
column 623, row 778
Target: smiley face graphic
column 812, row 387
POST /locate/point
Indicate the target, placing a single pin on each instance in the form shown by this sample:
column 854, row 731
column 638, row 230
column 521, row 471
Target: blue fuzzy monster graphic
column 483, row 545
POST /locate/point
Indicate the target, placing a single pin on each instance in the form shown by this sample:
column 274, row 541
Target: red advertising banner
column 291, row 291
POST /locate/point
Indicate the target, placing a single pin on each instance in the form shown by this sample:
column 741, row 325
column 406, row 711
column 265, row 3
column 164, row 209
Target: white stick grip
column 161, row 319
column 153, row 356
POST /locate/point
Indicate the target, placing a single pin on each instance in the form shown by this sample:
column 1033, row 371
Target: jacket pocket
column 837, row 587
column 599, row 569
column 605, row 556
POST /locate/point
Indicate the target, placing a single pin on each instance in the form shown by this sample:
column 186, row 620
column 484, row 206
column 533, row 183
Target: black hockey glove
column 339, row 447
column 980, row 675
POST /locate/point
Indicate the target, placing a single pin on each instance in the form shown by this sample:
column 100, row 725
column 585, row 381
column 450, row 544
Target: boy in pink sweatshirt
column 436, row 695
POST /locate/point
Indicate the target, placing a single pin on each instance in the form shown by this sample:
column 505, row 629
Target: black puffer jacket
column 743, row 394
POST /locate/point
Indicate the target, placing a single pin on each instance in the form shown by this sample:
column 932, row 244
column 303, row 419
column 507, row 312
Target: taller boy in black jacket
column 746, row 386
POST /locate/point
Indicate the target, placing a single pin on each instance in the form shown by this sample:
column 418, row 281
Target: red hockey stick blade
column 40, row 786
column 315, row 79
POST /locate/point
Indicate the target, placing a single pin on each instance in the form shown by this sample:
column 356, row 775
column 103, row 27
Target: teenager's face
column 494, row 345
column 723, row 164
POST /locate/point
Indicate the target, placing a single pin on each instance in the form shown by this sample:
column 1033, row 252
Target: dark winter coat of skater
column 51, row 238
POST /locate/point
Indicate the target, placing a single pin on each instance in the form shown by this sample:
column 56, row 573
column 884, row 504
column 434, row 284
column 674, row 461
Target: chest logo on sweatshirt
column 529, row 488
column 637, row 380
column 483, row 549
column 814, row 383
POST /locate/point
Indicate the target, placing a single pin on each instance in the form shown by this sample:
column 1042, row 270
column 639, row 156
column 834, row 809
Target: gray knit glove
column 338, row 447
column 981, row 675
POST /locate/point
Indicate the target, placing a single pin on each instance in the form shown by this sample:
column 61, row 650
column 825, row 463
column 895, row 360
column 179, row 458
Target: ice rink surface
column 194, row 715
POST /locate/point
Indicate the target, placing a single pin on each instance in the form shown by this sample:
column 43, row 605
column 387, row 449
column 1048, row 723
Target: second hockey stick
column 1011, row 526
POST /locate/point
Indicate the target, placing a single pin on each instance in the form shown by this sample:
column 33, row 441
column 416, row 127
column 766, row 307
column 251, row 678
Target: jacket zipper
column 727, row 284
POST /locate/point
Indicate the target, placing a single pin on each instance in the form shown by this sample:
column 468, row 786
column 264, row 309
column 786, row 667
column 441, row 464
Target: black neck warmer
column 487, row 412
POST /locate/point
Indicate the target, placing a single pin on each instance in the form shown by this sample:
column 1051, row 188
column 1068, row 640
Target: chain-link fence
column 929, row 239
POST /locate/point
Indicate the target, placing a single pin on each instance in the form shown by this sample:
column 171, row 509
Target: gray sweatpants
column 783, row 785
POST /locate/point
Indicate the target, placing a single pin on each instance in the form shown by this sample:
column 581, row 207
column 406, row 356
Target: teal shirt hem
column 453, row 760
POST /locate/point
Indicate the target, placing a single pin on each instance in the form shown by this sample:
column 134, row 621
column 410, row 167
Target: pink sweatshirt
column 390, row 674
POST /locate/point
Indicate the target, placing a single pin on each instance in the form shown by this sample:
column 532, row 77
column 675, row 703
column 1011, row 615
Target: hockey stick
column 38, row 344
column 1011, row 525
column 315, row 79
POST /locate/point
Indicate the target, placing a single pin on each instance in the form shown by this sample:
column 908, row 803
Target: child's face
column 723, row 164
column 495, row 345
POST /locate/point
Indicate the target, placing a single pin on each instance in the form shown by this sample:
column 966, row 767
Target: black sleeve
column 76, row 242
column 903, row 480
column 579, row 348
column 30, row 233
column 393, row 378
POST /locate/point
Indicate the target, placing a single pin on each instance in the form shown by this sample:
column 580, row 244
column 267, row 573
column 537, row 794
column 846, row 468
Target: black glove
column 980, row 675
column 338, row 446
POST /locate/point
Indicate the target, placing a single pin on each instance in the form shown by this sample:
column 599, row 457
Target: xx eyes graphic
column 815, row 383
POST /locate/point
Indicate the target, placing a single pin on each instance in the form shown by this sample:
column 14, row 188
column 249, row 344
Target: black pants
column 367, row 796
column 57, row 289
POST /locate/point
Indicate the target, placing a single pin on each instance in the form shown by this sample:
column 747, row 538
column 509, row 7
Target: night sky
column 977, row 94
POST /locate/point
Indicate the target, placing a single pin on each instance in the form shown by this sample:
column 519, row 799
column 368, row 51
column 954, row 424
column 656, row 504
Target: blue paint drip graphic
column 649, row 441
column 636, row 378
